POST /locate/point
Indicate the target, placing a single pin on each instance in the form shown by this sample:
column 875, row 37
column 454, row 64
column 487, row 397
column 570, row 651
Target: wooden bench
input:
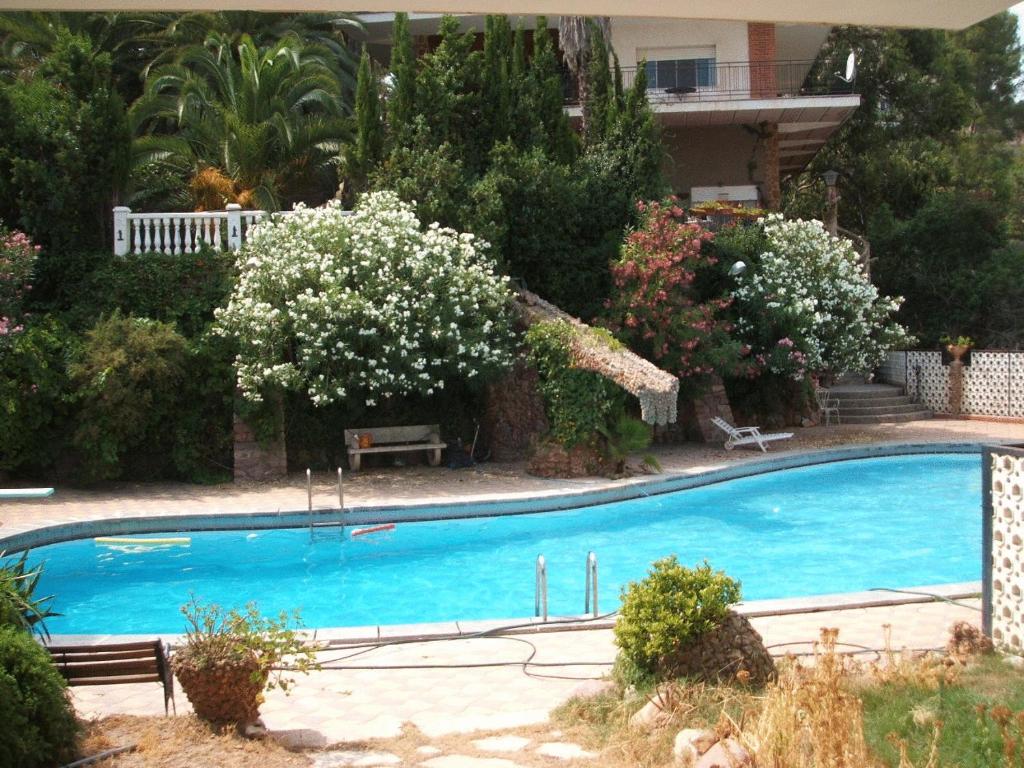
column 112, row 663
column 396, row 440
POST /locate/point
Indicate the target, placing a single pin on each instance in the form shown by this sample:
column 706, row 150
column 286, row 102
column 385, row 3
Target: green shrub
column 579, row 403
column 37, row 722
column 19, row 606
column 668, row 609
column 128, row 381
column 183, row 289
column 34, row 396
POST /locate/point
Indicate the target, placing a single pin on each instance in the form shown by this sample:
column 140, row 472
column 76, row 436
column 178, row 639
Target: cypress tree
column 369, row 143
column 556, row 135
column 403, row 71
column 599, row 92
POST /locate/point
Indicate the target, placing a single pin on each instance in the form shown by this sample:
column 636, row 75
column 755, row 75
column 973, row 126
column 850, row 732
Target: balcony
column 704, row 80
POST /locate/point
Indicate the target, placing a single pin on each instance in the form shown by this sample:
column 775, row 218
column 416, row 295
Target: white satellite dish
column 851, row 68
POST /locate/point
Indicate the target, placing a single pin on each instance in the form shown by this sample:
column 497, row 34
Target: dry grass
column 181, row 742
column 809, row 718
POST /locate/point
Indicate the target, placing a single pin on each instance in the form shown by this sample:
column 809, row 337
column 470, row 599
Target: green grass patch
column 969, row 739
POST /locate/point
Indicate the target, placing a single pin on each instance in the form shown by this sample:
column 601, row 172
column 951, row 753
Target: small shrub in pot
column 667, row 611
column 231, row 657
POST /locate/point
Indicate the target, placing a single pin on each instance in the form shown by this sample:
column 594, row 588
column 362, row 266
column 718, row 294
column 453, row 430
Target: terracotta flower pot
column 957, row 351
column 229, row 691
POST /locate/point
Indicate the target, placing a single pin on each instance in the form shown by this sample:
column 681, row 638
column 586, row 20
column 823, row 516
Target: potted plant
column 230, row 658
column 958, row 346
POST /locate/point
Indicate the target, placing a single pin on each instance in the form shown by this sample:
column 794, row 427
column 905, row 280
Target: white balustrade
column 176, row 233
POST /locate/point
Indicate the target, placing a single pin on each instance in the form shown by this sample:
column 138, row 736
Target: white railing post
column 234, row 226
column 122, row 236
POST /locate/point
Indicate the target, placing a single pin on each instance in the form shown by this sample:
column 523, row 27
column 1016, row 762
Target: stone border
column 452, row 510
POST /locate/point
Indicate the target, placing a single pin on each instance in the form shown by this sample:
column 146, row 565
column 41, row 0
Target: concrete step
column 866, row 390
column 878, row 410
column 871, row 402
column 892, row 418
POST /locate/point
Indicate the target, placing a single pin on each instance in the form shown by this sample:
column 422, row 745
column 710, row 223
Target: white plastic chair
column 828, row 406
column 747, row 435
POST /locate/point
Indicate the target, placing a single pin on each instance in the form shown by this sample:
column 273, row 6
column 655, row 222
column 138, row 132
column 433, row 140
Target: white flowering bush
column 809, row 308
column 365, row 306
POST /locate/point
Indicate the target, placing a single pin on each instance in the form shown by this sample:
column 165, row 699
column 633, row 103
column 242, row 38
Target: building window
column 681, row 74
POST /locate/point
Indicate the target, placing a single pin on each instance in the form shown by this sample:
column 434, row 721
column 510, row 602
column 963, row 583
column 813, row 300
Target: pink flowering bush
column 17, row 259
column 656, row 308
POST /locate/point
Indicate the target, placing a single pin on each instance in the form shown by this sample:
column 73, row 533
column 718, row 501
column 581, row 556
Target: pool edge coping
column 503, row 504
column 384, row 634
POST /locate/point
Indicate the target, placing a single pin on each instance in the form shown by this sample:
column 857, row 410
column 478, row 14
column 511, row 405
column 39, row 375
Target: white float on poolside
column 144, row 542
column 25, row 493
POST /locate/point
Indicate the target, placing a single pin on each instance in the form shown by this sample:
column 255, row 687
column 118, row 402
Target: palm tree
column 245, row 123
column 574, row 38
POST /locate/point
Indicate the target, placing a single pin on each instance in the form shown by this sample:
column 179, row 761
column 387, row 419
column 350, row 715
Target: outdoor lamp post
column 832, row 213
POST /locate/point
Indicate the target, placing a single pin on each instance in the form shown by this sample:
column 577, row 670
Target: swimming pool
column 898, row 521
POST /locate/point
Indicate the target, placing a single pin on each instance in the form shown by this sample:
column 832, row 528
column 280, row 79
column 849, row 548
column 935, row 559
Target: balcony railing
column 706, row 80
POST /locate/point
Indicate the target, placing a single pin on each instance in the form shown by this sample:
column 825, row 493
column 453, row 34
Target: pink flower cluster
column 17, row 259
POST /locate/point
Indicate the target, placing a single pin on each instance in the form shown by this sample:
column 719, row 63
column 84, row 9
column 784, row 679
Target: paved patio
column 424, row 484
column 368, row 701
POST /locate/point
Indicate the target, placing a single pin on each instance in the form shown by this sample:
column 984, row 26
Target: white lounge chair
column 747, row 435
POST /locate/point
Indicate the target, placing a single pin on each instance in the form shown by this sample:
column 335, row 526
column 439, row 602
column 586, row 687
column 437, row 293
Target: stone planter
column 229, row 692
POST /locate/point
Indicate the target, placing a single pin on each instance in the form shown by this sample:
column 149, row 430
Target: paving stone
column 353, row 758
column 465, row 761
column 502, row 743
column 564, row 750
column 428, row 749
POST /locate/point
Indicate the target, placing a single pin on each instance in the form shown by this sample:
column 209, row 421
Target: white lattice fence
column 987, row 384
column 993, row 382
column 1017, row 384
column 1003, row 566
column 928, row 379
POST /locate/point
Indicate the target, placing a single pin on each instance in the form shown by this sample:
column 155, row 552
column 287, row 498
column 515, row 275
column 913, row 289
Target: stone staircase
column 876, row 404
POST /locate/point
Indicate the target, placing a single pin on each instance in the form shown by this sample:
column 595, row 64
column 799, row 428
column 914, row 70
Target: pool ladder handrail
column 340, row 525
column 591, row 584
column 540, row 589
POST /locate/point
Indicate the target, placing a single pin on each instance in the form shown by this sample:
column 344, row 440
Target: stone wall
column 514, row 419
column 254, row 461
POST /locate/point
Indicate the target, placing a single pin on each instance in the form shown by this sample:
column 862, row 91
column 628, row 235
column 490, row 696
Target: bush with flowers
column 17, row 259
column 657, row 308
column 808, row 308
column 368, row 306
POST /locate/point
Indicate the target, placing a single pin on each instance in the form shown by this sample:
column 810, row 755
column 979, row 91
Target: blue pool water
column 851, row 525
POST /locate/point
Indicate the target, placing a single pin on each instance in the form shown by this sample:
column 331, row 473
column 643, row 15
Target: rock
column 690, row 744
column 564, row 750
column 465, row 761
column 805, row 422
column 553, row 460
column 255, row 730
column 1017, row 662
column 591, row 689
column 353, row 758
column 732, row 651
column 654, row 712
column 728, row 753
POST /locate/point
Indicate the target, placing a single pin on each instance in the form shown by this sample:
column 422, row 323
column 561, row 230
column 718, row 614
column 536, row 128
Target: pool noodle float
column 149, row 542
column 374, row 529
